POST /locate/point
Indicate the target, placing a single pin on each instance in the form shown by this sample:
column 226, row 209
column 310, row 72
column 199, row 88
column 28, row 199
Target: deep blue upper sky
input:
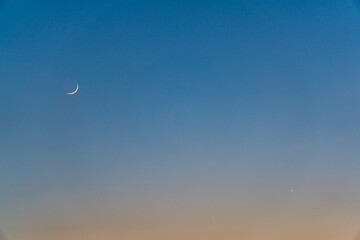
column 176, row 92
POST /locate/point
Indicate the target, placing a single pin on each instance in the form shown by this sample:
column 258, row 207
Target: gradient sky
column 194, row 120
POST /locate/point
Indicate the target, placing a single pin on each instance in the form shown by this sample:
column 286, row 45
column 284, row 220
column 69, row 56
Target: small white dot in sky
column 292, row 190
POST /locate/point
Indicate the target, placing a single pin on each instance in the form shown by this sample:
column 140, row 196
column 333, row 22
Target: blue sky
column 176, row 95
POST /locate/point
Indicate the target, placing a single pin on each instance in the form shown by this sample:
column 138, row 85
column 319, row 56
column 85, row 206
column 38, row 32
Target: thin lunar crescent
column 77, row 88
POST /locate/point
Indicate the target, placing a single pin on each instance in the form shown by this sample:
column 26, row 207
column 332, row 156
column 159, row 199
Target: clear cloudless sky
column 193, row 120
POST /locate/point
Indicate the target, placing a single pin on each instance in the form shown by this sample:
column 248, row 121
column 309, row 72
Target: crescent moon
column 72, row 93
